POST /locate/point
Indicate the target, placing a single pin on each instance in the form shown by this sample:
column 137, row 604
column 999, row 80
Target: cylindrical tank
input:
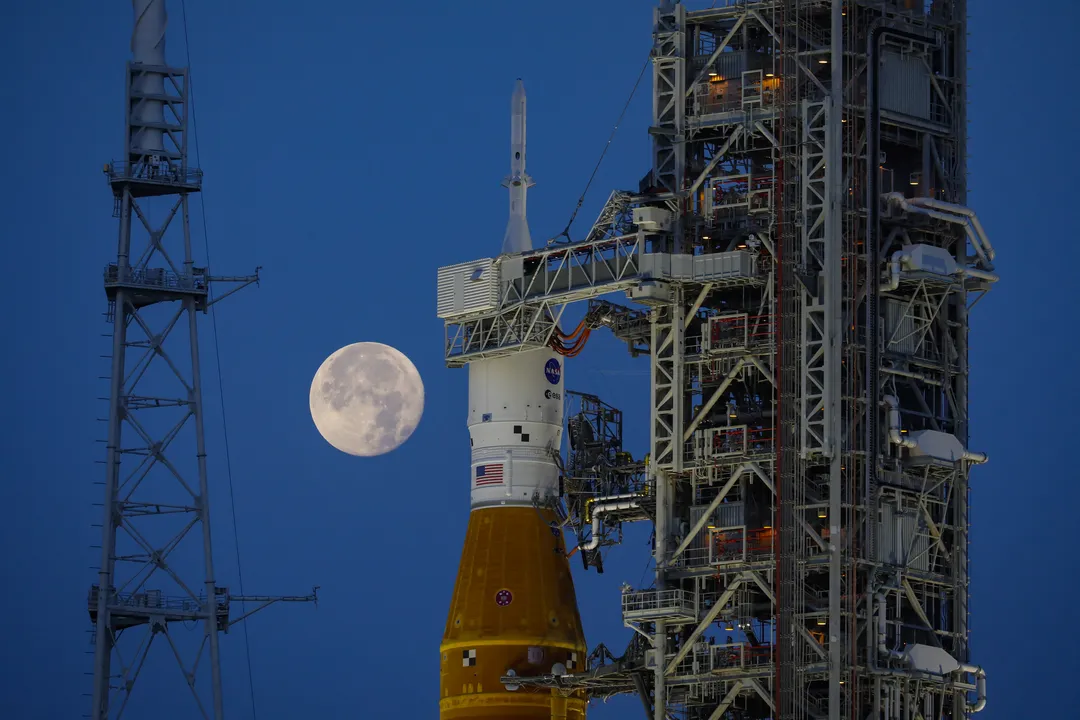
column 515, row 426
column 514, row 606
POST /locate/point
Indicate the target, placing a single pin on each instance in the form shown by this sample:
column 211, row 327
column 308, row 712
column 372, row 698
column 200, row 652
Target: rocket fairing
column 517, row 238
column 514, row 609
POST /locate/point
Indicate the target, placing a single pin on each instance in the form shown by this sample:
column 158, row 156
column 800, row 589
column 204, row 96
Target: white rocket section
column 148, row 48
column 515, row 426
column 517, row 238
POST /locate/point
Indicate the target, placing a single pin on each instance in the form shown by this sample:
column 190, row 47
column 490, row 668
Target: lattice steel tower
column 156, row 487
column 806, row 260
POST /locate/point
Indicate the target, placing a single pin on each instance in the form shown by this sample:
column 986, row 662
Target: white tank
column 515, row 427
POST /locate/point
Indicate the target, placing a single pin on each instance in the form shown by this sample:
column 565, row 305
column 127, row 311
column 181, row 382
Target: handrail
column 166, row 172
column 155, row 278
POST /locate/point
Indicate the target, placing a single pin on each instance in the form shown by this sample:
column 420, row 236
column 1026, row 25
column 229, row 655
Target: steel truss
column 808, row 450
column 156, row 559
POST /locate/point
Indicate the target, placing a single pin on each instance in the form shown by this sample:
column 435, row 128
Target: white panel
column 715, row 266
column 930, row 259
column 467, row 288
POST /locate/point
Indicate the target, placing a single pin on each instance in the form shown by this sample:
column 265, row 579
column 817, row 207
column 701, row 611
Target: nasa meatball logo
column 552, row 371
column 503, row 598
column 552, row 395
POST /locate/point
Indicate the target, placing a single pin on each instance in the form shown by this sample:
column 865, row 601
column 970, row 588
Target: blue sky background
column 351, row 149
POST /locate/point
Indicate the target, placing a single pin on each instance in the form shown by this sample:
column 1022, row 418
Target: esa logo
column 552, row 395
column 552, row 371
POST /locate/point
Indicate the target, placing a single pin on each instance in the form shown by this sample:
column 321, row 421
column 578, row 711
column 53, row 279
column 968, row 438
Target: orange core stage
column 513, row 607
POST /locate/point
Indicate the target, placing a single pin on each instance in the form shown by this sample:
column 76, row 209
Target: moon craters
column 366, row 399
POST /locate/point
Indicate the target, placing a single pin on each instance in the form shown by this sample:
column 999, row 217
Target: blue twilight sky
column 351, row 148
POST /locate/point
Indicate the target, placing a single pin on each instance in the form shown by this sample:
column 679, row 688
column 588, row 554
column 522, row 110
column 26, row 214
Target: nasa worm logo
column 552, row 371
column 503, row 598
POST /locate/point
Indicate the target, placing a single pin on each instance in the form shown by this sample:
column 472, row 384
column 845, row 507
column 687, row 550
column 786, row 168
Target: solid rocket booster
column 517, row 238
column 514, row 606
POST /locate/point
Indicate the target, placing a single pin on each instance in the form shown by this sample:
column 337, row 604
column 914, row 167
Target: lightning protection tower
column 157, row 569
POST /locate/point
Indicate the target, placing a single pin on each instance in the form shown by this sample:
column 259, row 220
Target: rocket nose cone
column 519, row 89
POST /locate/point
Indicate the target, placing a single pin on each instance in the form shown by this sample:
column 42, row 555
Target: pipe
column 980, row 687
column 599, row 510
column 895, row 198
column 960, row 210
column 895, row 436
column 979, row 274
column 975, row 457
column 882, row 647
column 609, row 498
column 912, row 375
column 896, row 265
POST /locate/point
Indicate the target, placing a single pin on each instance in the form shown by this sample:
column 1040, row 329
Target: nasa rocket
column 514, row 610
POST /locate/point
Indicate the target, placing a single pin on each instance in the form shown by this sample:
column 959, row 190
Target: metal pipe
column 896, row 437
column 975, row 457
column 960, row 210
column 980, row 687
column 895, row 198
column 913, row 375
column 896, row 265
column 980, row 274
column 882, row 628
column 601, row 509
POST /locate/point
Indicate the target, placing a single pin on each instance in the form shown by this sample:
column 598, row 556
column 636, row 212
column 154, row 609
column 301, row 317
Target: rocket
column 513, row 610
column 517, row 238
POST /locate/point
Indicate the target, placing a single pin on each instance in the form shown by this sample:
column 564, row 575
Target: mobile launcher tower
column 157, row 570
column 802, row 262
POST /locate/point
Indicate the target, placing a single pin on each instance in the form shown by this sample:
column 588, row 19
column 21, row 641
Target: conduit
column 896, row 265
column 974, row 230
column 601, row 509
column 896, row 437
column 882, row 647
column 960, row 210
column 980, row 687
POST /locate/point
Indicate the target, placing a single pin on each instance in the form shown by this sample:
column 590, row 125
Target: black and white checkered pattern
column 468, row 658
column 523, row 435
column 572, row 663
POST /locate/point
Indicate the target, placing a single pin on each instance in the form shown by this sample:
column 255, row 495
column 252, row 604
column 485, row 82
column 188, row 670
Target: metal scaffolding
column 803, row 253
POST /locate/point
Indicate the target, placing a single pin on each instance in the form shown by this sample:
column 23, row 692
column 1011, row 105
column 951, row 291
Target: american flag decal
column 487, row 475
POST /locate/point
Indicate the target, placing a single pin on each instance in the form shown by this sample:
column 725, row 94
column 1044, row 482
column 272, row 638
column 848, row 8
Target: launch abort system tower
column 157, row 568
column 804, row 262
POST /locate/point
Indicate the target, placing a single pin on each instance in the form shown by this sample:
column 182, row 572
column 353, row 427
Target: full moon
column 366, row 399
